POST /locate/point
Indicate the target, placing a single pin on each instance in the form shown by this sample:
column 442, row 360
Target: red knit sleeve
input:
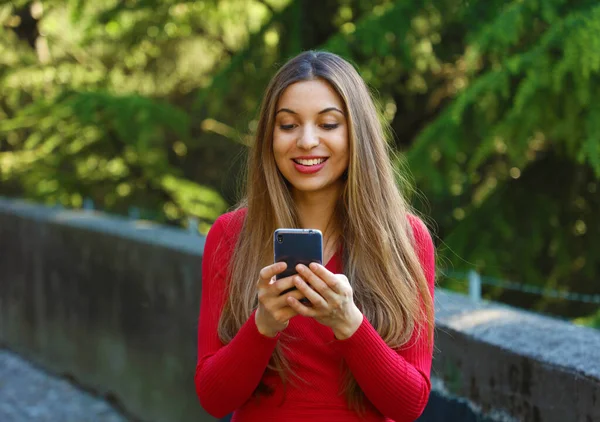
column 396, row 382
column 226, row 375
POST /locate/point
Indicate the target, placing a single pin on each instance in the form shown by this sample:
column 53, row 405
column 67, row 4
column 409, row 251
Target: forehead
column 315, row 95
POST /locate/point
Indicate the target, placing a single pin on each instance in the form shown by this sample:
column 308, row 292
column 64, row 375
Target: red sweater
column 395, row 382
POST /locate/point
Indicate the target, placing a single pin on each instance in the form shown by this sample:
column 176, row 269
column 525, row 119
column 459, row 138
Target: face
column 310, row 138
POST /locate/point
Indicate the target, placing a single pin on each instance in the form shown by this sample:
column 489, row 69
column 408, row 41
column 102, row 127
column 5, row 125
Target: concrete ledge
column 532, row 367
column 94, row 221
column 106, row 302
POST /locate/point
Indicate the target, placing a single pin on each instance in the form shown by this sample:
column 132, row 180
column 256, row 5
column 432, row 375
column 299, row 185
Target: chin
column 313, row 188
column 306, row 189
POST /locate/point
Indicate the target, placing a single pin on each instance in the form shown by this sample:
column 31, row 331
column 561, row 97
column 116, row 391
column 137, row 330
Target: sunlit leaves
column 532, row 89
column 195, row 199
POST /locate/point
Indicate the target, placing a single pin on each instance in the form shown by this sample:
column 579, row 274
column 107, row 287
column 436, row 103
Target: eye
column 330, row 126
column 287, row 127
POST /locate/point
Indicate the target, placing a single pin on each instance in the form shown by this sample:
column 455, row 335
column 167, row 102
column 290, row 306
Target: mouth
column 309, row 165
column 309, row 162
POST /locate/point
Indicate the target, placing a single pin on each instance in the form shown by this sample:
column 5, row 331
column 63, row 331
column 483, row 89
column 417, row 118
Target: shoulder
column 225, row 231
column 419, row 229
column 231, row 222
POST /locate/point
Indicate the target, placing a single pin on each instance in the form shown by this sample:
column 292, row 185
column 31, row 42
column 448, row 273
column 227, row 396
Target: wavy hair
column 388, row 282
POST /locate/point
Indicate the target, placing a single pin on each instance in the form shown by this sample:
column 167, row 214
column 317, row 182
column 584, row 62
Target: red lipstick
column 309, row 169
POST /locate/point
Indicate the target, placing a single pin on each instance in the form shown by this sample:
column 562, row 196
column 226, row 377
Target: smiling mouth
column 309, row 162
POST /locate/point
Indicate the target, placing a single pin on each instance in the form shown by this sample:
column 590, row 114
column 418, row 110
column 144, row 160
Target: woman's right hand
column 273, row 314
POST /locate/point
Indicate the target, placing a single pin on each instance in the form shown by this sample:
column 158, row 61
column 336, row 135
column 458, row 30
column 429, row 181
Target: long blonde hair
column 388, row 282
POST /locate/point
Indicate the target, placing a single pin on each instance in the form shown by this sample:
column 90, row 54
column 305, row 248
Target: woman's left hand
column 331, row 298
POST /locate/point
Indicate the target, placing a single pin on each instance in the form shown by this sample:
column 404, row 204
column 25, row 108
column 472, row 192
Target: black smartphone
column 297, row 246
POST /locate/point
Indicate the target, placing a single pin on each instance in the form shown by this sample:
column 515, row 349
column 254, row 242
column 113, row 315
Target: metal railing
column 476, row 281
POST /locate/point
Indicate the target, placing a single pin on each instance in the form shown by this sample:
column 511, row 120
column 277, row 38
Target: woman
column 362, row 348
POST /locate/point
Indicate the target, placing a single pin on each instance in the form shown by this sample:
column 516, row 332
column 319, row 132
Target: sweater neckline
column 334, row 264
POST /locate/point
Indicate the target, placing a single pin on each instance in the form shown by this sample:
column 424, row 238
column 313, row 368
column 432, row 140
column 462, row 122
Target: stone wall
column 113, row 304
column 109, row 303
column 532, row 367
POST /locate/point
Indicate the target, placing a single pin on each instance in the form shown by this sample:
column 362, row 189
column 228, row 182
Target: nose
column 308, row 138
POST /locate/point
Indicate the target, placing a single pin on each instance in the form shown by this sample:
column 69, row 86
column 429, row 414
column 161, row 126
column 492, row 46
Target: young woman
column 361, row 349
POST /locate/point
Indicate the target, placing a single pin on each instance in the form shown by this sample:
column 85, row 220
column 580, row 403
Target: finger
column 286, row 313
column 278, row 304
column 328, row 277
column 270, row 271
column 283, row 284
column 307, row 291
column 316, row 282
column 301, row 309
column 296, row 294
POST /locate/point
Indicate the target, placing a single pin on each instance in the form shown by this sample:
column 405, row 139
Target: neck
column 316, row 209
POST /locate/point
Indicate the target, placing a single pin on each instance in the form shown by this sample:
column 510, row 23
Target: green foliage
column 96, row 106
column 65, row 154
column 590, row 321
column 151, row 103
column 516, row 151
column 530, row 98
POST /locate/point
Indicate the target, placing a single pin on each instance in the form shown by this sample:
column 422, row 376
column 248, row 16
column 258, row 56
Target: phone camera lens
column 280, row 238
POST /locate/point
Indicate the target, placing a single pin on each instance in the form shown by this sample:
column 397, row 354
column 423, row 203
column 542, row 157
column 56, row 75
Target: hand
column 331, row 298
column 273, row 313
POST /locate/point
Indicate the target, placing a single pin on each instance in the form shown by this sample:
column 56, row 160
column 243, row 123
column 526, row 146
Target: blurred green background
column 148, row 106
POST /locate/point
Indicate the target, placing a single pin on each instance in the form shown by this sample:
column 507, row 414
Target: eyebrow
column 325, row 110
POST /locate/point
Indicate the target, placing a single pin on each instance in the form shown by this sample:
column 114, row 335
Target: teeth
column 312, row 162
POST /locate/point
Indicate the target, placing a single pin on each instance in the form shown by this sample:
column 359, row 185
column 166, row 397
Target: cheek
column 283, row 142
column 279, row 150
column 277, row 145
column 342, row 146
